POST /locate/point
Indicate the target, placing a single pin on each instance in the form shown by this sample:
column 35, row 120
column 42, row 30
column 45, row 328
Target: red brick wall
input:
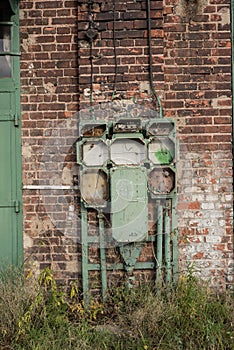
column 49, row 98
column 197, row 59
column 120, row 56
column 191, row 58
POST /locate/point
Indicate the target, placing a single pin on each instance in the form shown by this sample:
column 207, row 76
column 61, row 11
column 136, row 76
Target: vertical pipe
column 114, row 47
column 167, row 247
column 175, row 267
column 84, row 243
column 159, row 243
column 232, row 40
column 102, row 254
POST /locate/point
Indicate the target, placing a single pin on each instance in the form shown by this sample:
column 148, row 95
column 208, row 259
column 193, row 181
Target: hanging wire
column 114, row 47
column 151, row 62
column 91, row 73
column 90, row 8
column 91, row 34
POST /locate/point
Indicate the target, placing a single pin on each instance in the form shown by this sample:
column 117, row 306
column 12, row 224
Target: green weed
column 36, row 314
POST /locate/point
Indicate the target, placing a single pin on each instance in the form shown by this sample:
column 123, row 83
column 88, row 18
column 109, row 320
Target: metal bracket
column 17, row 206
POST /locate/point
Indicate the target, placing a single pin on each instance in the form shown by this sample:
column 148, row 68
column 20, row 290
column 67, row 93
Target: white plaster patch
column 213, row 239
column 225, row 14
column 28, row 242
column 49, row 87
column 215, row 101
column 26, row 151
column 27, row 42
column 144, row 87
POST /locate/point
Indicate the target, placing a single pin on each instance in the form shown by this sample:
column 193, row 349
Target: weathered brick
column 191, row 73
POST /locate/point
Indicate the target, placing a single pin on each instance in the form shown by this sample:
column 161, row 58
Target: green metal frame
column 166, row 237
column 12, row 85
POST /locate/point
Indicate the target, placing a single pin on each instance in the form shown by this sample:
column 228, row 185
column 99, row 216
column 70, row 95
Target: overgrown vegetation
column 36, row 314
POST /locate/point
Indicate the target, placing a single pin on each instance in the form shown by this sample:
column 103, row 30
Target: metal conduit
column 102, row 254
column 232, row 42
column 167, row 244
column 159, row 243
column 174, row 228
column 84, row 242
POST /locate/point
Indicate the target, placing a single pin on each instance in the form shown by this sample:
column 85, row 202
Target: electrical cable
column 90, row 7
column 91, row 73
column 151, row 62
column 114, row 47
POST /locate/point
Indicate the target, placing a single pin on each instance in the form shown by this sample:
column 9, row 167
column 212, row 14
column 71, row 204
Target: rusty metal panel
column 94, row 187
column 162, row 180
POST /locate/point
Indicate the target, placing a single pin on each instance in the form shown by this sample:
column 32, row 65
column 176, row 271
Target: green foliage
column 36, row 314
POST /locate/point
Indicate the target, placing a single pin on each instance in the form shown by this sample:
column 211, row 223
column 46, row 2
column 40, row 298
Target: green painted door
column 10, row 134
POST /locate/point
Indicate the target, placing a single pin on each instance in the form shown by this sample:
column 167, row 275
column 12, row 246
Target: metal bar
column 6, row 23
column 16, row 120
column 17, row 206
column 84, row 242
column 121, row 266
column 49, row 187
column 175, row 265
column 159, row 243
column 102, row 253
column 10, row 53
column 167, row 247
column 232, row 41
column 95, row 239
column 7, row 117
column 7, row 204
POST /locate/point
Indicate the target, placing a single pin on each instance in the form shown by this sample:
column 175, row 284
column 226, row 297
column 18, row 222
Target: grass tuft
column 37, row 314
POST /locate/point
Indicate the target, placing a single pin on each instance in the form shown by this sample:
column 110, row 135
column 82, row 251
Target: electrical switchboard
column 124, row 164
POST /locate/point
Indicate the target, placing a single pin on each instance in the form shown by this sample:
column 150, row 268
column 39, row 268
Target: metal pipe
column 232, row 40
column 175, row 266
column 102, row 254
column 84, row 243
column 114, row 47
column 151, row 62
column 91, row 35
column 167, row 241
column 159, row 243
